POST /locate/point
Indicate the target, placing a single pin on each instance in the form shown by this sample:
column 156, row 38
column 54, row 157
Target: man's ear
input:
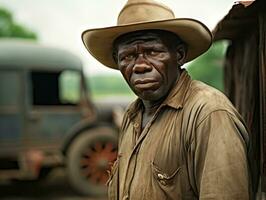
column 181, row 53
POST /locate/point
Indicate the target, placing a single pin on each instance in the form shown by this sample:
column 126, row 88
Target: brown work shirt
column 194, row 147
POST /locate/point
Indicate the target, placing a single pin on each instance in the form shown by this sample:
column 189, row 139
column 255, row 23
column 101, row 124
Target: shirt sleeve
column 220, row 158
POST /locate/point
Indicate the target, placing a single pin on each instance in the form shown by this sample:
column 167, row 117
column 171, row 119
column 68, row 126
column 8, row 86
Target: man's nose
column 141, row 65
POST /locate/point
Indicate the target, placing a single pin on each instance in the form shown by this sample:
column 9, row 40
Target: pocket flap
column 162, row 176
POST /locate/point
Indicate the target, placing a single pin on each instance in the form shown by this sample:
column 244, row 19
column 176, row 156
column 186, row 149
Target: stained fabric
column 194, row 147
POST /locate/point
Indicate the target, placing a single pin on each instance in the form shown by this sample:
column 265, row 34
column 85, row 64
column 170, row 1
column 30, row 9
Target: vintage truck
column 47, row 118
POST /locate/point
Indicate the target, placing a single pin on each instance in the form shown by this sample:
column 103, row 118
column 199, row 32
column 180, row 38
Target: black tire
column 89, row 158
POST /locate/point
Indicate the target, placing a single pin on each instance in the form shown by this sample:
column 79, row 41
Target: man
column 181, row 139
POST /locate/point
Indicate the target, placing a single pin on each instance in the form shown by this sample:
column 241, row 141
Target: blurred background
column 59, row 24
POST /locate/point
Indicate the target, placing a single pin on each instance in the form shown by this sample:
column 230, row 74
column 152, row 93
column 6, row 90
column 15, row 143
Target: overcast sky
column 60, row 22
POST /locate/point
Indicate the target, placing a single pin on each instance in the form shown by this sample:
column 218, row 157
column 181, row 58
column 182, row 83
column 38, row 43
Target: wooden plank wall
column 262, row 78
column 241, row 86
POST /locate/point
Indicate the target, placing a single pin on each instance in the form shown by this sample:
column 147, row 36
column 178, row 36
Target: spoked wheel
column 96, row 161
column 89, row 159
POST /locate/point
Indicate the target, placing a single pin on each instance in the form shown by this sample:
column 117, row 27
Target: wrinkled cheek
column 160, row 67
column 126, row 73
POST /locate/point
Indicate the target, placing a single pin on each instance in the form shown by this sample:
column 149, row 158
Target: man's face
column 149, row 64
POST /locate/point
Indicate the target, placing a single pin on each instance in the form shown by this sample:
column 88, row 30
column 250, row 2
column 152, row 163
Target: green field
column 106, row 85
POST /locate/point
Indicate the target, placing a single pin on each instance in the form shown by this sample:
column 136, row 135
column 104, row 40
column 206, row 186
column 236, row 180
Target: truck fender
column 80, row 127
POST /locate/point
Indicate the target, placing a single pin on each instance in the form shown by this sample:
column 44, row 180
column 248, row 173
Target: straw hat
column 143, row 15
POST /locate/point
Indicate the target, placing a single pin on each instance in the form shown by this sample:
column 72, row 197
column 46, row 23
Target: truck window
column 9, row 88
column 70, row 86
column 55, row 88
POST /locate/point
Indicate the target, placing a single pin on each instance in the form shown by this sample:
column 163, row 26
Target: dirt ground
column 54, row 187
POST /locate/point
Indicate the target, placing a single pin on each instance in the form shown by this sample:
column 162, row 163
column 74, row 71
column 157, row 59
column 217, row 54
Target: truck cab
column 47, row 118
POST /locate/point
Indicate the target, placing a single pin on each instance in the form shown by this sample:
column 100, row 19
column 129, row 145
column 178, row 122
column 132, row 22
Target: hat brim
column 99, row 42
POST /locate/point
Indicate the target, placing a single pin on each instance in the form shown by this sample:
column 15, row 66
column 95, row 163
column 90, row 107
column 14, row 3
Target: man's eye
column 153, row 53
column 127, row 57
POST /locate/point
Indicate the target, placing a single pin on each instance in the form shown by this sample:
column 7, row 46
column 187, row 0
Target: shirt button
column 162, row 182
column 136, row 125
column 160, row 176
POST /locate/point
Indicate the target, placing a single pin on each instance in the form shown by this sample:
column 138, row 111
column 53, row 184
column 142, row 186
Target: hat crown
column 139, row 11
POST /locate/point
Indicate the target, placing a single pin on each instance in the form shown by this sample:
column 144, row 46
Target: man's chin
column 149, row 96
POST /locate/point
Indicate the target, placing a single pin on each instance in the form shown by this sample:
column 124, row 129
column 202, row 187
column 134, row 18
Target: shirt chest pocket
column 167, row 168
column 169, row 183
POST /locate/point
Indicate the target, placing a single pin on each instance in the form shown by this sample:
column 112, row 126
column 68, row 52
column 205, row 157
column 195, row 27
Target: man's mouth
column 145, row 84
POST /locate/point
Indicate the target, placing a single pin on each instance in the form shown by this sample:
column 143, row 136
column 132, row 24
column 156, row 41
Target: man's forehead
column 140, row 35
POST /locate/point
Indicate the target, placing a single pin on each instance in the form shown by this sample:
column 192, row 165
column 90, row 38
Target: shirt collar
column 175, row 98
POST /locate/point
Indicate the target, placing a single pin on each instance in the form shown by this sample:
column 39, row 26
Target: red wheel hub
column 96, row 161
